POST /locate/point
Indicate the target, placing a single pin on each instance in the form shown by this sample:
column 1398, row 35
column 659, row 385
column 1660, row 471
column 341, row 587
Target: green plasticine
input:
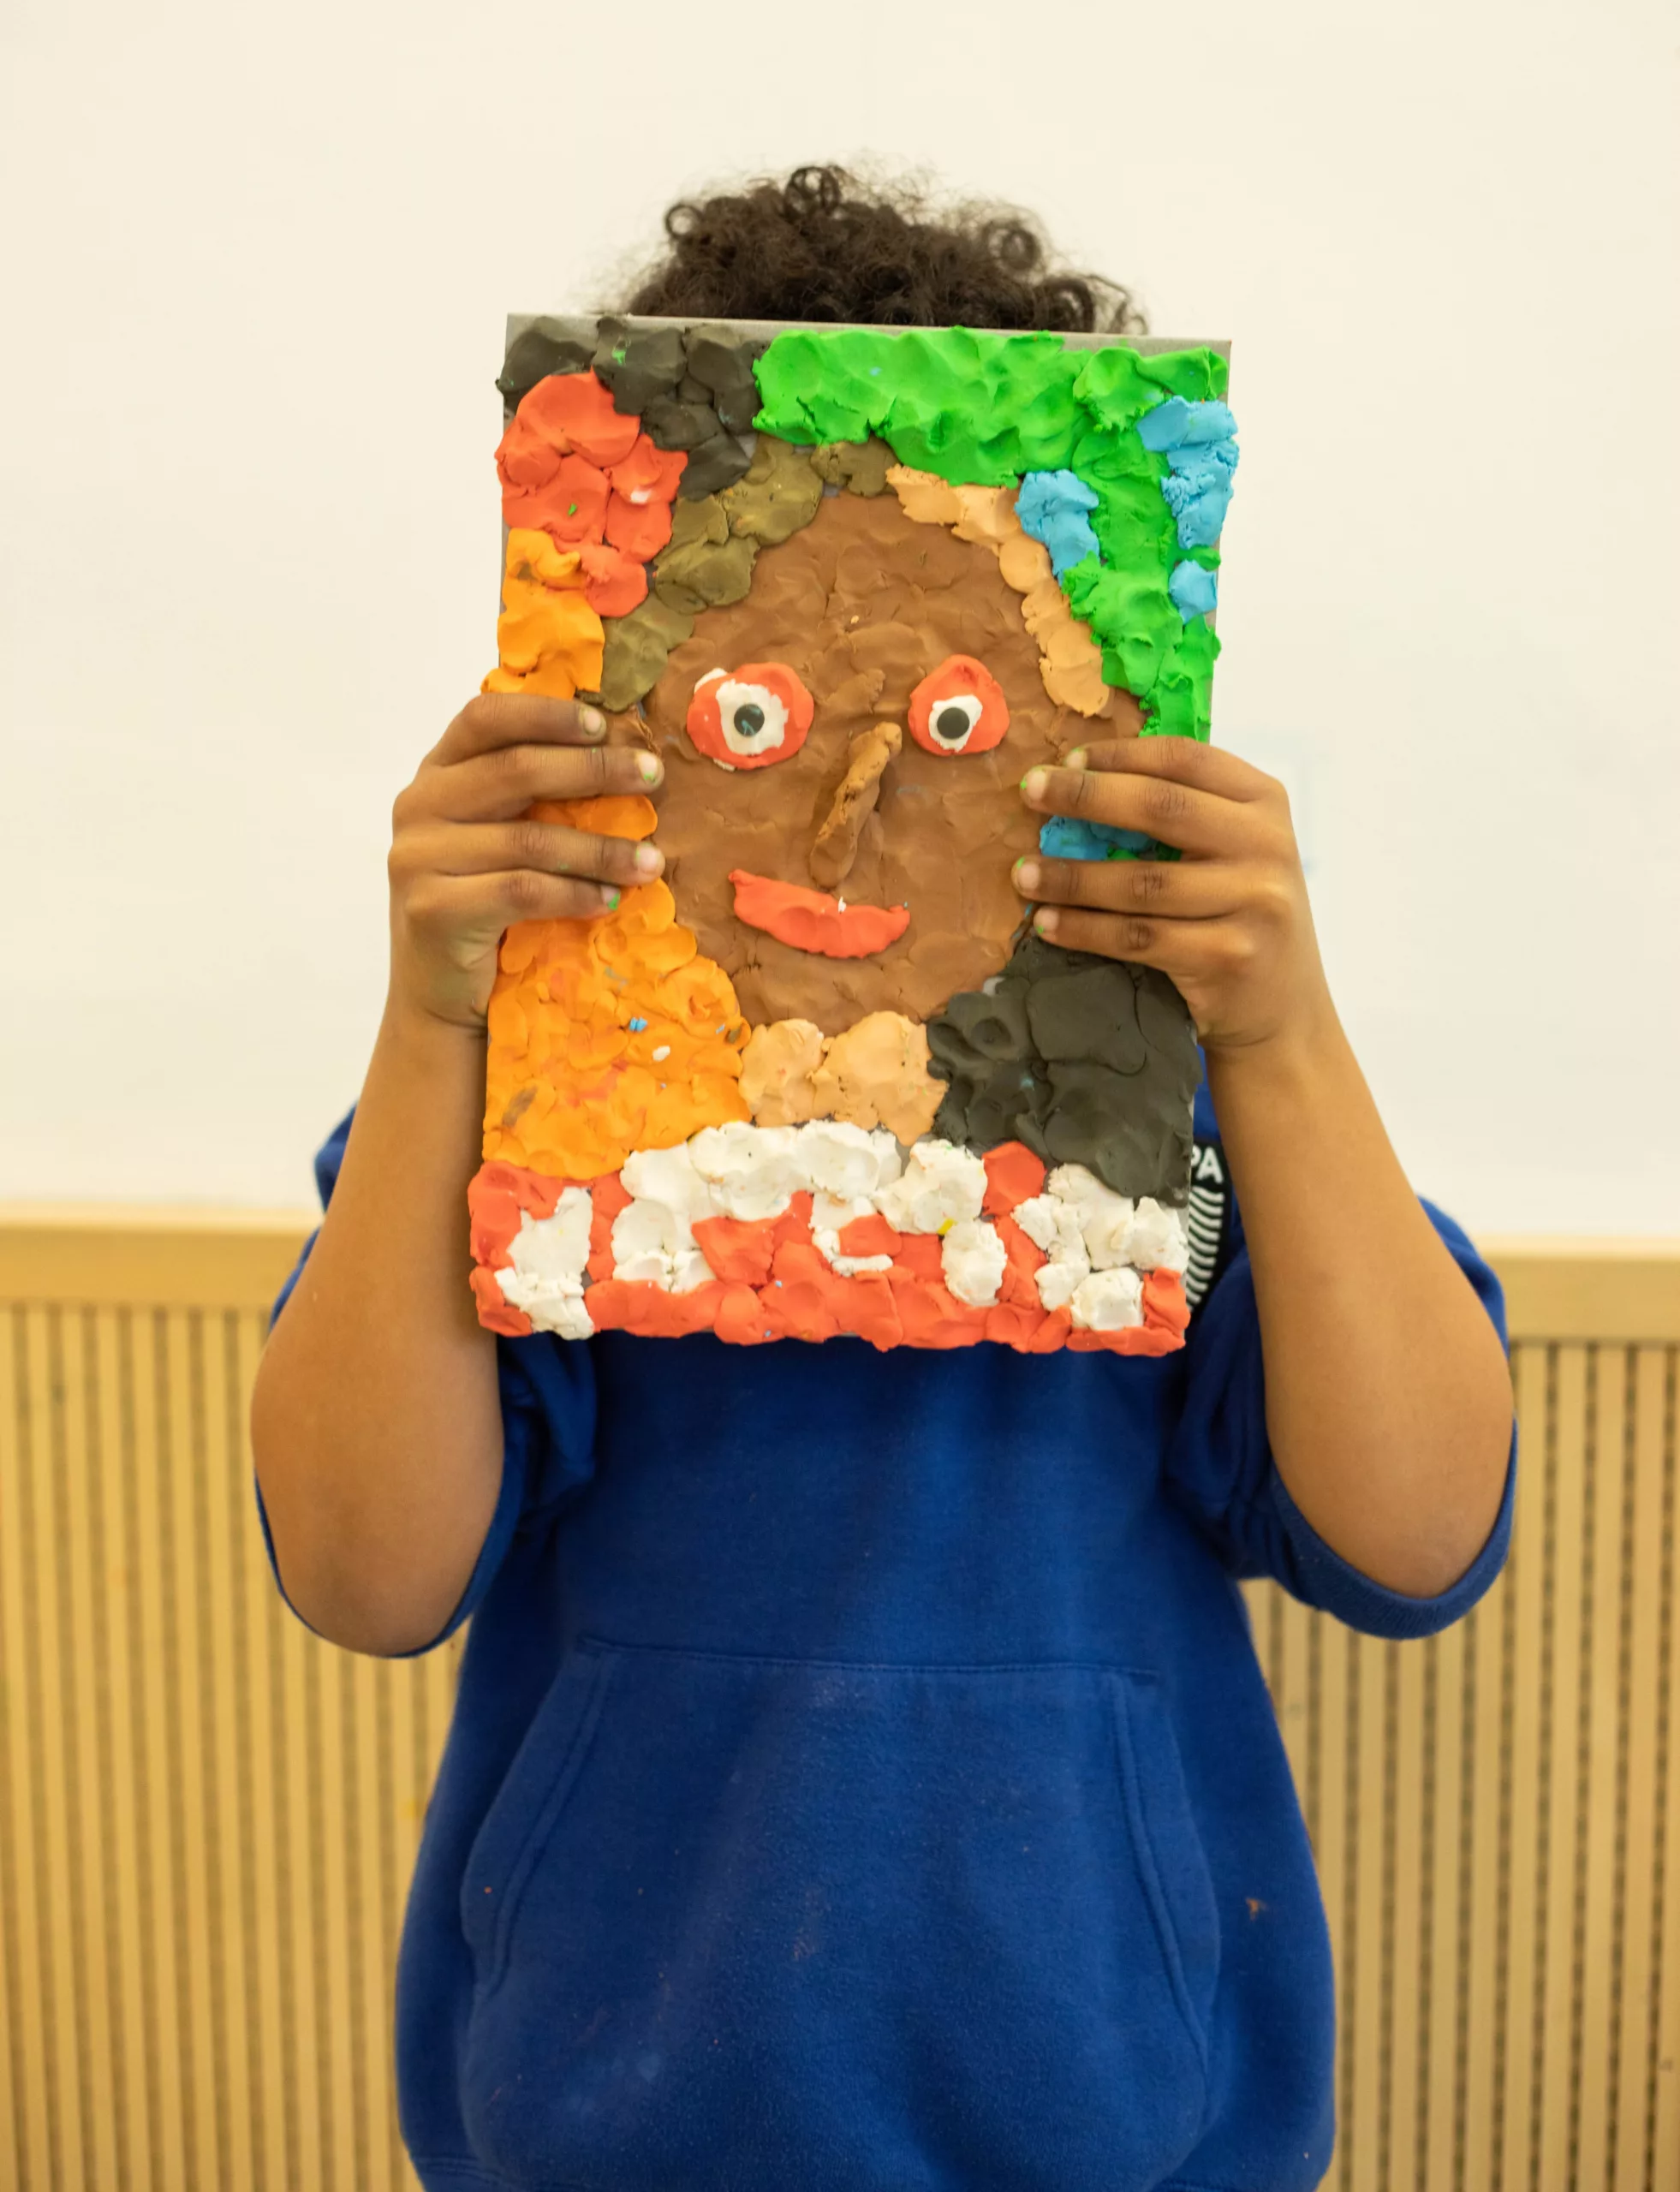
column 984, row 409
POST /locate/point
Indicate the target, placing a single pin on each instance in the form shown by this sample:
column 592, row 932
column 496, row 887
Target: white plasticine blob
column 971, row 705
column 1108, row 1302
column 1158, row 1240
column 545, row 1277
column 974, row 1259
column 830, row 1217
column 772, row 709
column 940, row 1185
column 753, row 1171
column 653, row 1236
column 835, row 1158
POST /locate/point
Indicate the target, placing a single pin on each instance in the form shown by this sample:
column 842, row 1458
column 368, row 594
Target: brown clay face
column 863, row 603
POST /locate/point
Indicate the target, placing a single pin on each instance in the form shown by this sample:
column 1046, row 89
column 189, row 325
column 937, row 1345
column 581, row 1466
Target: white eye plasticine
column 968, row 705
column 755, row 720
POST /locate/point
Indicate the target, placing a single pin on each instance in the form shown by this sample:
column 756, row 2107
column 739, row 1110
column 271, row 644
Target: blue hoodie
column 862, row 1779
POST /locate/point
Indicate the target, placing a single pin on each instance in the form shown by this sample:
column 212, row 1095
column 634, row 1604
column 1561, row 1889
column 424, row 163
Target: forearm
column 1387, row 1398
column 376, row 1421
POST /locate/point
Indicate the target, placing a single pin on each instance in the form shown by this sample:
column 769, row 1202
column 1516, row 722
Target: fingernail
column 1034, row 783
column 1027, row 876
column 649, row 859
column 1044, row 922
column 608, row 898
column 590, row 722
column 650, row 768
column 1076, row 760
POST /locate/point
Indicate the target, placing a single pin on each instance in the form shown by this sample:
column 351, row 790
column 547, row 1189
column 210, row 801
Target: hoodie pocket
column 755, row 1922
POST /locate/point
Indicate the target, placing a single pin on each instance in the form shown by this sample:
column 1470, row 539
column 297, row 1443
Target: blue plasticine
column 1198, row 441
column 1051, row 507
column 1194, row 590
column 1062, row 838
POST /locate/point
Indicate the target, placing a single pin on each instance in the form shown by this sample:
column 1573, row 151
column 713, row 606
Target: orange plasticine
column 550, row 638
column 811, row 921
column 1013, row 1174
column 571, row 1086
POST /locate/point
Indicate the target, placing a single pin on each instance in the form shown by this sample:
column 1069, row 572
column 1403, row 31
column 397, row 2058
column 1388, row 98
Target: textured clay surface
column 863, row 603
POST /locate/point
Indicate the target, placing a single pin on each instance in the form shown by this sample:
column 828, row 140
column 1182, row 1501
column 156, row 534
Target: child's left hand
column 1228, row 922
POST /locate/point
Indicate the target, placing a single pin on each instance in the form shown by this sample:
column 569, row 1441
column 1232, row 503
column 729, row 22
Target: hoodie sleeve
column 548, row 1423
column 1220, row 1464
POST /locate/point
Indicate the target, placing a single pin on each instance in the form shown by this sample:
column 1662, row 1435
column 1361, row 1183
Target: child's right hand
column 467, row 860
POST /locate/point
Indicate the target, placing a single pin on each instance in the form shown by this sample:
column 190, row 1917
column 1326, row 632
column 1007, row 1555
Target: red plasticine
column 1163, row 1302
column 609, row 1196
column 617, row 582
column 738, row 1249
column 575, row 411
column 933, row 1316
column 869, row 1236
column 1130, row 1339
column 494, row 1313
column 1025, row 1257
column 918, row 1256
column 1013, row 1174
column 640, row 529
column 740, row 1321
column 811, row 921
column 497, row 1195
column 648, row 474
column 636, row 1305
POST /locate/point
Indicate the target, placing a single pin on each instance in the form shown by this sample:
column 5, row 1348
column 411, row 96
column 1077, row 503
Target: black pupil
column 951, row 722
column 749, row 719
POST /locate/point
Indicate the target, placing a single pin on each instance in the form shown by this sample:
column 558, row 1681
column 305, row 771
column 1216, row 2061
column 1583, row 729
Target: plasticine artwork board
column 821, row 1079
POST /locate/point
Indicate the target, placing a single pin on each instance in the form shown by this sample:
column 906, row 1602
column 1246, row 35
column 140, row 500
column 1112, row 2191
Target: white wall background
column 256, row 267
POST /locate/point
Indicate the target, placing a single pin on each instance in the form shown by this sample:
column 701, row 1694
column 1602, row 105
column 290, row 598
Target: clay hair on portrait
column 828, row 245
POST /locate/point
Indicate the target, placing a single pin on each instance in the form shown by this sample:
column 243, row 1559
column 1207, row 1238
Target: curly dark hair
column 825, row 246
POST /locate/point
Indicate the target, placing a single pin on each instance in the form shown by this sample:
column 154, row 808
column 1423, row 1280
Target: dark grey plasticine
column 540, row 350
column 638, row 364
column 1088, row 1061
column 692, row 387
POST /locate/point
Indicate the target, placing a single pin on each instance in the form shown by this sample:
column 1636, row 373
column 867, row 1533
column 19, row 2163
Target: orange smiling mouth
column 811, row 920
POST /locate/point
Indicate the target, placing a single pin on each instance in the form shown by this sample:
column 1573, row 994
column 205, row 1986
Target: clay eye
column 959, row 709
column 746, row 718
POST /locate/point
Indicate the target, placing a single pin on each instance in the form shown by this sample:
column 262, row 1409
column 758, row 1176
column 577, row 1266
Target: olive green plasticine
column 986, row 408
column 636, row 649
column 861, row 467
column 1088, row 1061
column 705, row 520
column 704, row 574
column 778, row 493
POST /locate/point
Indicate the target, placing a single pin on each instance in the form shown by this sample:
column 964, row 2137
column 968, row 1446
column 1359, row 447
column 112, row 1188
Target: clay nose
column 834, row 848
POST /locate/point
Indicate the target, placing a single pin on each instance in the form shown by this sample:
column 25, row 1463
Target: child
column 862, row 1777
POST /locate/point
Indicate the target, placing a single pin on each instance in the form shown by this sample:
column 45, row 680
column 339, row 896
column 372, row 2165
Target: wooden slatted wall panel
column 1496, row 1815
column 207, row 1818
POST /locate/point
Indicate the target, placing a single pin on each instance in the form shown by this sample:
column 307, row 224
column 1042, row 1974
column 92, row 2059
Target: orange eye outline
column 721, row 693
column 959, row 678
